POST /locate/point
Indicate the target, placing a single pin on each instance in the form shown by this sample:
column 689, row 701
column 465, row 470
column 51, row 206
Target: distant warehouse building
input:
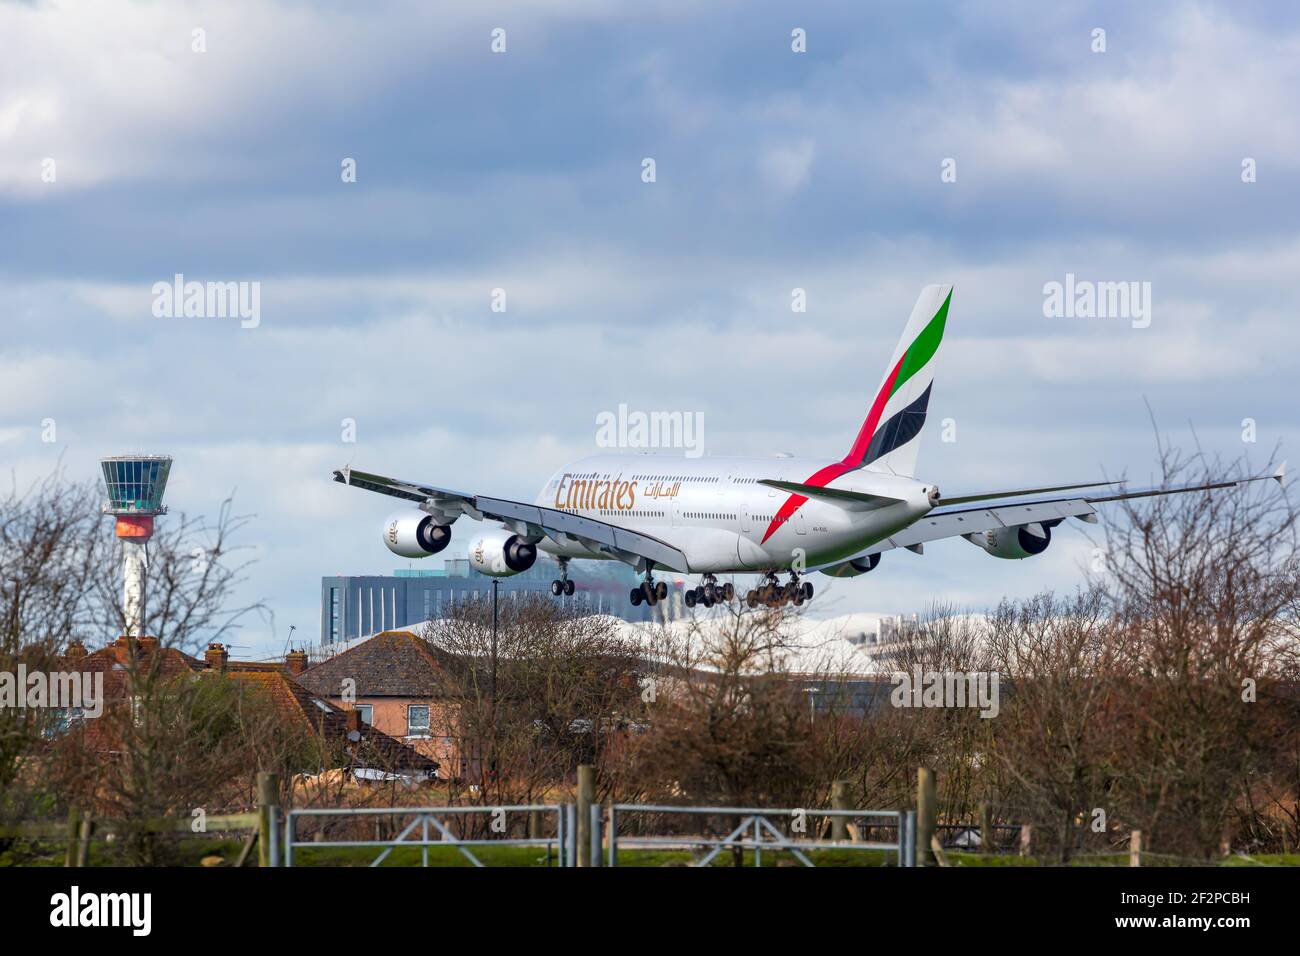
column 355, row 606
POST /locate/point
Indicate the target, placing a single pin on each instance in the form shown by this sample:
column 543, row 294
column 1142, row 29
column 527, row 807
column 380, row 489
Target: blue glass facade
column 355, row 606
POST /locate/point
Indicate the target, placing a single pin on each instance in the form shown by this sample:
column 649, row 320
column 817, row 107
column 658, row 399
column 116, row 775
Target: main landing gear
column 773, row 594
column 709, row 593
column 562, row 584
column 651, row 592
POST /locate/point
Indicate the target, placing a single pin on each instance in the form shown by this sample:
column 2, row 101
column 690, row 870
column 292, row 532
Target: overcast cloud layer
column 523, row 171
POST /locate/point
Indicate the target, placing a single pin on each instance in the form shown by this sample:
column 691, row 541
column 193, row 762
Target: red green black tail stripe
column 875, row 441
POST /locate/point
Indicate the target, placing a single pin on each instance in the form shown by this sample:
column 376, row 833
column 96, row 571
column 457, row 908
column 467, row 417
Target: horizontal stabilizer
column 850, row 500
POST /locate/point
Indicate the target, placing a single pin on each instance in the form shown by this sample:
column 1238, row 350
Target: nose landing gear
column 562, row 584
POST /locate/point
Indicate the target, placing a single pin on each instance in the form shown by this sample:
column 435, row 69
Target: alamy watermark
column 81, row 691
column 922, row 688
column 636, row 429
column 1084, row 299
column 132, row 911
column 208, row 300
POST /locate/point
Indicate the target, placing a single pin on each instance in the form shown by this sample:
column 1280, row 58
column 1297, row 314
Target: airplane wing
column 991, row 495
column 950, row 522
column 532, row 521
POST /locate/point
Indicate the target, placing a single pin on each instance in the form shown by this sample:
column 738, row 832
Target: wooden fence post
column 1135, row 848
column 268, row 804
column 937, row 848
column 74, row 837
column 840, row 801
column 1026, row 838
column 87, row 827
column 586, row 795
column 927, row 815
column 986, row 828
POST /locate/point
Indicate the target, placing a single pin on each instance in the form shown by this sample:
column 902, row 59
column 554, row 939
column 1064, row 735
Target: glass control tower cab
column 135, row 486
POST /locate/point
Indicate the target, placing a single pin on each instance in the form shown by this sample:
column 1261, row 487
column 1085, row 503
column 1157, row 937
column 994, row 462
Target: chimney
column 296, row 662
column 122, row 650
column 354, row 720
column 76, row 651
column 216, row 657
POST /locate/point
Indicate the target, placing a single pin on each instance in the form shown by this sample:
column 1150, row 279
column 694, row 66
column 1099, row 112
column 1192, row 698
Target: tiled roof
column 299, row 705
column 116, row 655
column 295, row 703
column 390, row 664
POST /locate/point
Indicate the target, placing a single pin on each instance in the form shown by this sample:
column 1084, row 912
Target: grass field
column 192, row 851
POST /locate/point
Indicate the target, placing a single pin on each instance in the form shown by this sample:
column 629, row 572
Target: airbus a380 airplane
column 770, row 516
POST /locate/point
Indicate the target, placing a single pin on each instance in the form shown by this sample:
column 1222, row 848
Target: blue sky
column 522, row 171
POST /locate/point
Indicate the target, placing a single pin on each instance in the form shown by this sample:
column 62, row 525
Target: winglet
column 1280, row 475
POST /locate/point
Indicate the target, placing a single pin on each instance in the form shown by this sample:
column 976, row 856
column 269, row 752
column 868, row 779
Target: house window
column 417, row 720
column 63, row 719
column 367, row 713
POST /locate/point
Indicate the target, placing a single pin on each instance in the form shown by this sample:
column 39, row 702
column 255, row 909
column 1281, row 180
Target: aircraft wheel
column 807, row 590
column 636, row 597
column 568, row 588
column 661, row 591
column 751, row 598
column 557, row 587
column 689, row 598
column 728, row 592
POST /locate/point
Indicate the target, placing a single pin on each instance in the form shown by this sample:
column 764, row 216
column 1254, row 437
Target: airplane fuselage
column 721, row 517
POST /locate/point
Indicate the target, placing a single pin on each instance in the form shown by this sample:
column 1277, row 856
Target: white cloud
column 786, row 166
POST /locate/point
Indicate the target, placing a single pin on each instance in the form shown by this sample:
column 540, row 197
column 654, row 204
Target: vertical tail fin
column 891, row 434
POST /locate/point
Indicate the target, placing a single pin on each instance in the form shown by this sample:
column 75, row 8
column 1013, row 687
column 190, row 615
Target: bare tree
column 1055, row 733
column 1204, row 587
column 50, row 552
column 528, row 701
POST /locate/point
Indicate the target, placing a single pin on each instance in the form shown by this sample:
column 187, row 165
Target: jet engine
column 414, row 534
column 851, row 569
column 501, row 553
column 1018, row 541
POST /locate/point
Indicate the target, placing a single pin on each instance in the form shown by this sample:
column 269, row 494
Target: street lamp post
column 492, row 757
column 812, row 702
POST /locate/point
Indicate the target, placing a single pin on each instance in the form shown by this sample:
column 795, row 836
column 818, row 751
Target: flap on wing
column 947, row 524
column 850, row 500
column 958, row 522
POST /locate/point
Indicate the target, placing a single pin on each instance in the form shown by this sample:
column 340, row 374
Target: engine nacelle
column 851, row 569
column 414, row 534
column 501, row 553
column 1018, row 541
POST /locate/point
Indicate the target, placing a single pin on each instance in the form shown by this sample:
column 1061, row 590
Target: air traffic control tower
column 135, row 486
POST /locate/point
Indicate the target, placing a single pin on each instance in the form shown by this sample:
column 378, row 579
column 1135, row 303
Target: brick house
column 394, row 681
column 294, row 702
